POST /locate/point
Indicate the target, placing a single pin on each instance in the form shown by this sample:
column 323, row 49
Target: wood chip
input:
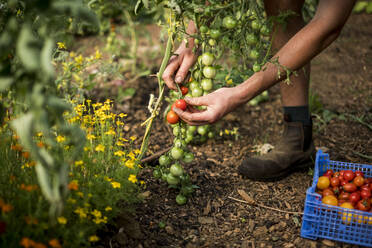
column 205, row 220
column 246, row 197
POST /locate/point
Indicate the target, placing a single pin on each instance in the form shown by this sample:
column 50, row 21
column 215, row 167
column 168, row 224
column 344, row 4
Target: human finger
column 170, row 71
column 184, row 68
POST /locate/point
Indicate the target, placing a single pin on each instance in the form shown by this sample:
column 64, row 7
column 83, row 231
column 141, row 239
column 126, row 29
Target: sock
column 297, row 114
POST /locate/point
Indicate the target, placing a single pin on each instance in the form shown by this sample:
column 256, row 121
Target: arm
column 325, row 27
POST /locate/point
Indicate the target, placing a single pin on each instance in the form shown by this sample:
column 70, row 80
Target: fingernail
column 178, row 79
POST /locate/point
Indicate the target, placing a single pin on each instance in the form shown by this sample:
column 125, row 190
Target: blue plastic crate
column 335, row 223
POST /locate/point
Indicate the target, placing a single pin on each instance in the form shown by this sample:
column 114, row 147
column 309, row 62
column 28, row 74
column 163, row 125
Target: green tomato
column 176, row 153
column 256, row 67
column 210, row 134
column 176, row 130
column 209, row 72
column 181, row 200
column 189, row 95
column 196, row 92
column 176, row 170
column 253, row 102
column 207, row 58
column 254, row 54
column 212, row 42
column 255, row 25
column 156, row 173
column 202, row 130
column 196, row 74
column 191, row 128
column 187, row 190
column 196, row 41
column 251, row 39
column 172, row 180
column 215, row 33
column 206, row 84
column 164, row 177
column 229, row 22
column 204, row 29
column 193, row 85
column 189, row 138
column 179, row 143
column 265, row 30
column 188, row 157
column 164, row 160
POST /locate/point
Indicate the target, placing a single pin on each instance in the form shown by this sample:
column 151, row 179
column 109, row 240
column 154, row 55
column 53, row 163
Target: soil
column 341, row 77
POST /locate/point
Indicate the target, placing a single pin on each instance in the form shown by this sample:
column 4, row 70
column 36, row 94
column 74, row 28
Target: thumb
column 197, row 101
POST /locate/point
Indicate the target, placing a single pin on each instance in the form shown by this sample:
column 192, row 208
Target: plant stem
column 156, row 109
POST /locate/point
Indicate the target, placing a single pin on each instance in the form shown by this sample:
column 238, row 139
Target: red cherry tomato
column 364, row 187
column 344, row 196
column 350, row 187
column 343, row 182
column 328, row 173
column 365, row 193
column 335, row 181
column 349, row 175
column 358, row 181
column 184, row 90
column 336, row 174
column 172, row 117
column 359, row 173
column 354, row 197
column 327, row 191
column 342, row 173
column 181, row 104
column 364, row 205
column 336, row 190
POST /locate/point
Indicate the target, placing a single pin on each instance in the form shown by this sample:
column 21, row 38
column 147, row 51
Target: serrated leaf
column 46, row 57
column 27, row 49
column 5, row 83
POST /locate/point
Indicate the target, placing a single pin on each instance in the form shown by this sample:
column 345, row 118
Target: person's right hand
column 178, row 67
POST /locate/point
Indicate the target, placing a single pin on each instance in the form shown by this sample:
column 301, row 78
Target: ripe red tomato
column 184, row 90
column 328, row 173
column 354, row 197
column 350, row 187
column 181, row 104
column 358, row 181
column 336, row 174
column 344, row 196
column 364, row 205
column 365, row 193
column 327, row 191
column 349, row 175
column 343, row 182
column 365, row 186
column 359, row 173
column 172, row 117
column 336, row 190
column 335, row 181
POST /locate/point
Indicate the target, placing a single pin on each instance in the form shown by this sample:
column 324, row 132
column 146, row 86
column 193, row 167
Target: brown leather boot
column 295, row 150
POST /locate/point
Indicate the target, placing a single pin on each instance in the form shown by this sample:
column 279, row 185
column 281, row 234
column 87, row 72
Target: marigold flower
column 61, row 45
column 79, row 162
column 81, row 212
column 39, row 245
column 110, row 132
column 132, row 178
column 133, row 138
column 115, row 185
column 31, row 220
column 73, row 185
column 100, row 148
column 96, row 213
column 108, row 208
column 27, row 243
column 119, row 153
column 93, row 238
column 60, row 139
column 130, row 164
column 5, row 208
column 54, row 243
column 98, row 54
column 62, row 220
column 122, row 115
column 16, row 147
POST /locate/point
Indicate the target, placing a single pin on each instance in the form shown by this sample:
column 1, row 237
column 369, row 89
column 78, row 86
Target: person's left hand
column 218, row 104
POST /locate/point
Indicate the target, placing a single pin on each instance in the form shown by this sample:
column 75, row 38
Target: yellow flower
column 93, row 238
column 61, row 45
column 100, row 148
column 122, row 115
column 80, row 162
column 119, row 153
column 130, row 164
column 110, row 132
column 108, row 208
column 132, row 178
column 98, row 54
column 60, row 139
column 91, row 136
column 227, row 131
column 136, row 151
column 72, row 54
column 62, row 220
column 81, row 194
column 115, row 185
column 119, row 143
column 132, row 156
column 39, row 134
column 96, row 213
column 133, row 138
column 81, row 212
column 71, row 200
column 108, row 179
column 100, row 220
column 79, row 60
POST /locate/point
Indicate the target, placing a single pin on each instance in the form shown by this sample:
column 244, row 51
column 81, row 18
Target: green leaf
column 5, row 83
column 88, row 16
column 44, row 181
column 136, row 8
column 46, row 57
column 27, row 49
column 23, row 126
column 58, row 105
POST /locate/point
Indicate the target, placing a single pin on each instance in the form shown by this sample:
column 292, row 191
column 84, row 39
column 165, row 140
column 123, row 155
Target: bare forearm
column 298, row 51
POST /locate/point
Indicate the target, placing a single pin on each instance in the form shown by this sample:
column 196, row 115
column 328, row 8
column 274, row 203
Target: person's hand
column 218, row 104
column 178, row 67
